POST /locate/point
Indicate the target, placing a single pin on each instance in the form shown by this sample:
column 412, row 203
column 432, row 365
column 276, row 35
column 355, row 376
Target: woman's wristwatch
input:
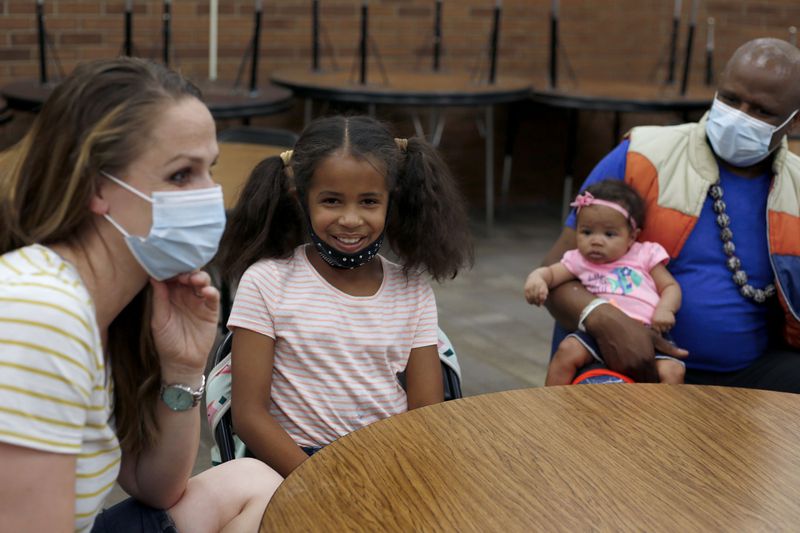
column 180, row 397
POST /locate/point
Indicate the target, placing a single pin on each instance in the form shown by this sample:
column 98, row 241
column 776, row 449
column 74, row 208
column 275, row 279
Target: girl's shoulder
column 277, row 275
column 278, row 268
column 389, row 266
column 394, row 274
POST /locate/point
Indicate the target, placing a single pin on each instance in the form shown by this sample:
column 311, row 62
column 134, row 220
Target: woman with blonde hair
column 107, row 213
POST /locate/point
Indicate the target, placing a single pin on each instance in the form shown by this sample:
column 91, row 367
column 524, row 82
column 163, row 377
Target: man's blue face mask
column 187, row 227
column 738, row 138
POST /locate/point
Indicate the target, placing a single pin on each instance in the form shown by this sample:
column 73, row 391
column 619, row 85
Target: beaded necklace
column 734, row 263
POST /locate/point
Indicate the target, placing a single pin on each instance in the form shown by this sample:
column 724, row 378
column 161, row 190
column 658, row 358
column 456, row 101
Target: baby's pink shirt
column 626, row 282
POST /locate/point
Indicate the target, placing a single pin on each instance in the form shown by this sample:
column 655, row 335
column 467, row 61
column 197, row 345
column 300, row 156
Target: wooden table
column 27, row 95
column 5, row 112
column 223, row 101
column 227, row 102
column 576, row 458
column 616, row 97
column 413, row 89
column 235, row 163
column 623, row 96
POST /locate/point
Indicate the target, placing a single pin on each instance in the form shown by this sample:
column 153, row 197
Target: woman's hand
column 184, row 322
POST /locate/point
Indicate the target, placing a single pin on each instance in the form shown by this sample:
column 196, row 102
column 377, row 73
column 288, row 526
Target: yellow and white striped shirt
column 55, row 389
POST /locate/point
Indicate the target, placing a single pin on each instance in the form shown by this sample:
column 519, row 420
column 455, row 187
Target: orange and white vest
column 672, row 168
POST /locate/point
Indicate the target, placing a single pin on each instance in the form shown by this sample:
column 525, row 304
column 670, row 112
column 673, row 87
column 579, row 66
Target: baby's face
column 603, row 234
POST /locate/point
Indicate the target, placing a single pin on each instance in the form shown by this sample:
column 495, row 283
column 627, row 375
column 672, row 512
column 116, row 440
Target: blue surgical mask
column 187, row 227
column 738, row 138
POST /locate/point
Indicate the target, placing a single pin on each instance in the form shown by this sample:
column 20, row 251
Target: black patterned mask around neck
column 338, row 259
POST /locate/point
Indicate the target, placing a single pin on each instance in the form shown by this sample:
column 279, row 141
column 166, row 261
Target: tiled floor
column 502, row 342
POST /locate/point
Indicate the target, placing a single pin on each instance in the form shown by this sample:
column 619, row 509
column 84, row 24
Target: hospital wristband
column 594, row 304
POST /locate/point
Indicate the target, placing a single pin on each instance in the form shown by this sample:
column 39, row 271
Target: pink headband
column 587, row 199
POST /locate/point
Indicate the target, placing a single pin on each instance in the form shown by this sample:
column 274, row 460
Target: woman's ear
column 97, row 202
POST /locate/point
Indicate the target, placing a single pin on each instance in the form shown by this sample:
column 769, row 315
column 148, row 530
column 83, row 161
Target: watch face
column 177, row 399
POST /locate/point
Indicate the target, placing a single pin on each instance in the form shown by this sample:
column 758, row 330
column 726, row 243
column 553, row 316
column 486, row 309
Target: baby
column 612, row 265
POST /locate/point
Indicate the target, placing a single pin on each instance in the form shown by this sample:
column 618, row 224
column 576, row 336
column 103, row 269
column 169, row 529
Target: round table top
column 624, row 96
column 223, row 101
column 5, row 114
column 602, row 457
column 26, row 95
column 424, row 88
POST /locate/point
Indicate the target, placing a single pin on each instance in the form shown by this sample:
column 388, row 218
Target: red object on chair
column 598, row 376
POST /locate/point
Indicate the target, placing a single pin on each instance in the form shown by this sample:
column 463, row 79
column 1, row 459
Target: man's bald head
column 772, row 58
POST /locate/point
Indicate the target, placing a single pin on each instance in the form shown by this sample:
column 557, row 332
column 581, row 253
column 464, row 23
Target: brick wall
column 602, row 39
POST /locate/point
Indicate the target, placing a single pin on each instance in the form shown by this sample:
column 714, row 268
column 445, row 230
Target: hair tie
column 287, row 157
column 402, row 144
column 586, row 199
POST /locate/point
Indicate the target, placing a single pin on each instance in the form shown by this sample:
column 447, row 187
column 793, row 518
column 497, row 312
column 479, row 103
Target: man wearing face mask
column 723, row 198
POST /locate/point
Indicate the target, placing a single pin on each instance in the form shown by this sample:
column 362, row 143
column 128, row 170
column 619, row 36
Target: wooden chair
column 240, row 150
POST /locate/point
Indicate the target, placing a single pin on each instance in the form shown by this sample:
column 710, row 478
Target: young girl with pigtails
column 323, row 324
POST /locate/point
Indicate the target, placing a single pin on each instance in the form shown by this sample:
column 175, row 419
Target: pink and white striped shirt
column 336, row 356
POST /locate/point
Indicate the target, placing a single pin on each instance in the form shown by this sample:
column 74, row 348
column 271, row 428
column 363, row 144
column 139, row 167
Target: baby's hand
column 535, row 289
column 663, row 320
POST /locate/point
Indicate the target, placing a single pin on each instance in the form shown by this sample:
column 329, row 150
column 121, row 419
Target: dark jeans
column 778, row 370
column 130, row 516
column 311, row 450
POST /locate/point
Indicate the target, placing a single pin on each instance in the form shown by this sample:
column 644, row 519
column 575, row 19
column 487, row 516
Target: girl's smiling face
column 347, row 202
